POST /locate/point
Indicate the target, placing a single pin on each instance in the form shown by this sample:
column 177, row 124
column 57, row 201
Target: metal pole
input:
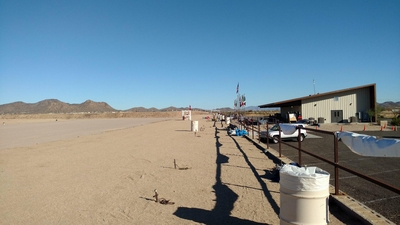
column 298, row 140
column 252, row 131
column 280, row 144
column 267, row 136
column 336, row 161
column 314, row 85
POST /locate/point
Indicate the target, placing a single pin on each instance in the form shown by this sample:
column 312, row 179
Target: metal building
column 341, row 106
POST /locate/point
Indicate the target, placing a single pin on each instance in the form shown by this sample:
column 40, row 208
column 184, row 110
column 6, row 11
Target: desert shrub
column 395, row 121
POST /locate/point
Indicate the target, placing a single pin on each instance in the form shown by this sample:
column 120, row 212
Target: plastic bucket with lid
column 304, row 197
column 194, row 126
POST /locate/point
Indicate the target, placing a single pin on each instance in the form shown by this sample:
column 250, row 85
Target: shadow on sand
column 225, row 197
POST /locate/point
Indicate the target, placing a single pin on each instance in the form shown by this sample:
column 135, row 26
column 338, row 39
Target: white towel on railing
column 366, row 145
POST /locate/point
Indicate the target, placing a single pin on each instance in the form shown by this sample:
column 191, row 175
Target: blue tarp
column 241, row 132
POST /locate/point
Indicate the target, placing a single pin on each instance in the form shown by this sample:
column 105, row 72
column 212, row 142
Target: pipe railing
column 334, row 163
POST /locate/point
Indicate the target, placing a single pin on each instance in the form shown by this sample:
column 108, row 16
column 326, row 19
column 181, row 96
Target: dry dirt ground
column 110, row 177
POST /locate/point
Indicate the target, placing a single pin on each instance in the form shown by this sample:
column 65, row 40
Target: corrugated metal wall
column 351, row 102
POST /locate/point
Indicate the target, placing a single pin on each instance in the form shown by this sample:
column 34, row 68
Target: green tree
column 374, row 112
column 395, row 121
column 379, row 109
column 396, row 118
column 371, row 113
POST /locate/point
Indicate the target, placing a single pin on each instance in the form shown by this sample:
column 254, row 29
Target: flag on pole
column 237, row 88
column 242, row 100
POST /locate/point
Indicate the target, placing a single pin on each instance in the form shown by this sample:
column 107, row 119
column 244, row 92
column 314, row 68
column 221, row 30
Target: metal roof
column 297, row 101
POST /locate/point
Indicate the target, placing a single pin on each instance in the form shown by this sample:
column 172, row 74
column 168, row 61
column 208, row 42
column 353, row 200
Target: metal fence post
column 280, row 144
column 336, row 161
column 252, row 131
column 299, row 141
column 267, row 136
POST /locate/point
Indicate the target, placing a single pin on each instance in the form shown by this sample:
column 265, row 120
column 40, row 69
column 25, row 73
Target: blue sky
column 179, row 53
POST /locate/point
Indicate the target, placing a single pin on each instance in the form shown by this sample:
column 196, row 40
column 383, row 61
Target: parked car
column 263, row 121
column 288, row 131
column 303, row 121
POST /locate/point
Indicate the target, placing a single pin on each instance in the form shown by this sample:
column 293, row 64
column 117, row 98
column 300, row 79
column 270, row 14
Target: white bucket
column 195, row 126
column 304, row 197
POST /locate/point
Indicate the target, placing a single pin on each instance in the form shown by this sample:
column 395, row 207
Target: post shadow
column 264, row 187
column 225, row 199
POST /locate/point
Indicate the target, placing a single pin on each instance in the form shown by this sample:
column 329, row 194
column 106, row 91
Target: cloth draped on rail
column 287, row 128
column 366, row 145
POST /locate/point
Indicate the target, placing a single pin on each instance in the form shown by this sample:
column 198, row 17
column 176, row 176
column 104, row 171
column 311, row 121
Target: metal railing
column 334, row 163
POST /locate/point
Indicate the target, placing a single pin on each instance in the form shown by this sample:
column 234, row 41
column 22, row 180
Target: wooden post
column 156, row 195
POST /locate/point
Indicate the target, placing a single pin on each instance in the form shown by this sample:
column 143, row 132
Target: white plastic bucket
column 304, row 197
column 195, row 126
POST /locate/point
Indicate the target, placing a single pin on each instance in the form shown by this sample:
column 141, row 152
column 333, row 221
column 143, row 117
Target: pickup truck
column 288, row 131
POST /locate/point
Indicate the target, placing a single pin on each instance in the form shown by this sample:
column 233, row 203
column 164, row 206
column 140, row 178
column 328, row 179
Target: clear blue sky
column 180, row 53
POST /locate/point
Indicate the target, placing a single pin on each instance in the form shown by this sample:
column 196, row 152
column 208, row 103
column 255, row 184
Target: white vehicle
column 288, row 131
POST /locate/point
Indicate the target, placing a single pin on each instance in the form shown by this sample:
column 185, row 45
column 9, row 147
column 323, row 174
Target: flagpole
column 237, row 100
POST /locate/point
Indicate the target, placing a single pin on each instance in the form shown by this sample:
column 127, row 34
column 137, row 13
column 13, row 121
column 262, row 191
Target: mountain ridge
column 89, row 106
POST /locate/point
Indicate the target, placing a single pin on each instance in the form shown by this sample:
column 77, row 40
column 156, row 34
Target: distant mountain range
column 56, row 106
column 389, row 105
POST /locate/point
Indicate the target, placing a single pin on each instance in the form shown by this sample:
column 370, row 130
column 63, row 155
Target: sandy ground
column 109, row 177
column 27, row 132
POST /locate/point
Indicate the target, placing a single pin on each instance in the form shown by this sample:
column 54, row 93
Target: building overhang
column 288, row 103
column 297, row 101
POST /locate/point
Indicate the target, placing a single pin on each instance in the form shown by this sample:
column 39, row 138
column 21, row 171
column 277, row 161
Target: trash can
column 228, row 120
column 304, row 195
column 321, row 120
column 353, row 119
column 194, row 126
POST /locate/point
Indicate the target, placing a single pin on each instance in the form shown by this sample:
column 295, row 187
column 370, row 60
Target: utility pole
column 314, row 85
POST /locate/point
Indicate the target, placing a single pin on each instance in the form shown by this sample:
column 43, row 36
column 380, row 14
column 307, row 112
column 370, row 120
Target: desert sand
column 110, row 177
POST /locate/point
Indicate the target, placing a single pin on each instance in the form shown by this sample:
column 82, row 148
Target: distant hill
column 389, row 105
column 152, row 109
column 56, row 106
column 137, row 109
column 247, row 108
